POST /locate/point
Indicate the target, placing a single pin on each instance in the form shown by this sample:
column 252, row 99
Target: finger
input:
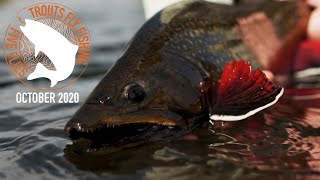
column 313, row 30
column 314, row 3
column 269, row 74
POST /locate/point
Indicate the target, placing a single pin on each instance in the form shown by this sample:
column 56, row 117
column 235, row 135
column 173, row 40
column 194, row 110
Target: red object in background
column 308, row 55
column 305, row 55
column 304, row 98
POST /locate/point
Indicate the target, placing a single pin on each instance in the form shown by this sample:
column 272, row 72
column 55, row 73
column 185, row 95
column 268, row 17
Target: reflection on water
column 281, row 142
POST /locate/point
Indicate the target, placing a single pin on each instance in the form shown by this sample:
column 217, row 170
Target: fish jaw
column 105, row 127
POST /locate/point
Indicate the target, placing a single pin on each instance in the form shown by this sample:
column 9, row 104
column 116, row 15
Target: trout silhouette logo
column 58, row 49
column 44, row 44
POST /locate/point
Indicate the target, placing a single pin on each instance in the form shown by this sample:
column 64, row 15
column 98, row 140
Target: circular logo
column 47, row 42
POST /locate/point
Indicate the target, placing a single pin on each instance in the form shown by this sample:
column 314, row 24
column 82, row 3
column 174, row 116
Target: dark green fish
column 178, row 72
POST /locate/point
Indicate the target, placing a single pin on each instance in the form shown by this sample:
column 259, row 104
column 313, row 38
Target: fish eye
column 134, row 93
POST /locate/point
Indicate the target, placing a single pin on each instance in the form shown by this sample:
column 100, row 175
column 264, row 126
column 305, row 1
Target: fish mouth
column 100, row 129
column 107, row 135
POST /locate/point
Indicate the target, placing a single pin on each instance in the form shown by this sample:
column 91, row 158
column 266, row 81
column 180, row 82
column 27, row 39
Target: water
column 281, row 142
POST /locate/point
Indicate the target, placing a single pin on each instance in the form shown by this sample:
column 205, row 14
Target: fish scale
column 188, row 64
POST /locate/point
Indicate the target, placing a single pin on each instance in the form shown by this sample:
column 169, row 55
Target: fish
column 58, row 49
column 186, row 66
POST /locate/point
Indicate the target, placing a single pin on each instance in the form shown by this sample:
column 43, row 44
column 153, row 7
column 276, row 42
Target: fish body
column 178, row 71
column 58, row 49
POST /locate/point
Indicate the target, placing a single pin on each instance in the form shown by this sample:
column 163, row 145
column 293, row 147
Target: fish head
column 141, row 98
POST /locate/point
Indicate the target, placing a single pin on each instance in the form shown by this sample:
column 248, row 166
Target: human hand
column 313, row 30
